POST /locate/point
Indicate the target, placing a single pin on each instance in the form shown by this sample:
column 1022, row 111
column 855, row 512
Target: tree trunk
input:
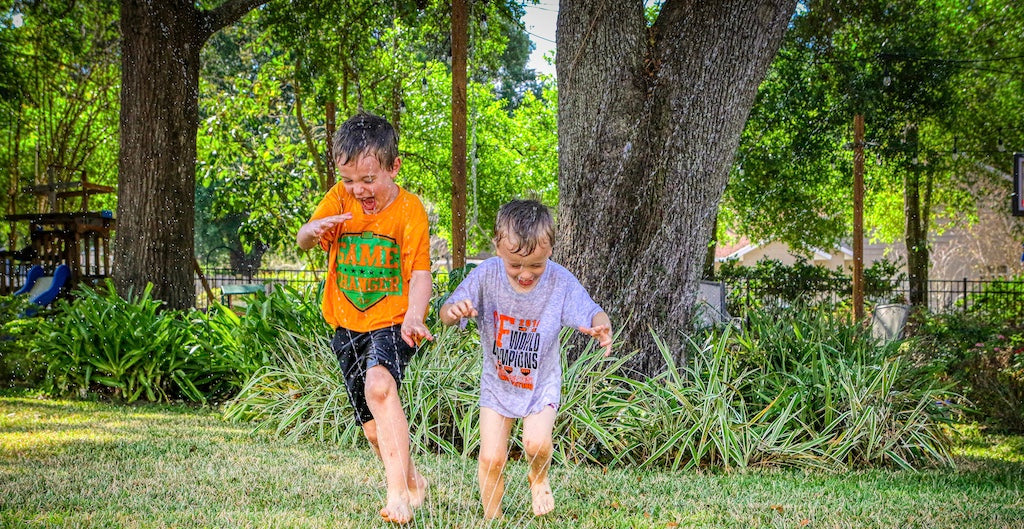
column 14, row 148
column 916, row 239
column 247, row 263
column 649, row 121
column 915, row 215
column 159, row 119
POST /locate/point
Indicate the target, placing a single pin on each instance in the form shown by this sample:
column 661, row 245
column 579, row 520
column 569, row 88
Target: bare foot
column 418, row 493
column 543, row 500
column 397, row 511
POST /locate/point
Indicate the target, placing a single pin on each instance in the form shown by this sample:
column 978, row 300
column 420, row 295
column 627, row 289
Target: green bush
column 983, row 358
column 771, row 285
column 867, row 403
column 18, row 367
column 993, row 382
column 127, row 348
column 1000, row 302
column 807, row 390
column 102, row 344
column 248, row 342
column 301, row 393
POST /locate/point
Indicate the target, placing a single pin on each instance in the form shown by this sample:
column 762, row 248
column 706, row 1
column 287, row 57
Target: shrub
column 866, row 401
column 129, row 349
column 769, row 284
column 297, row 394
column 301, row 393
column 993, row 381
column 804, row 390
column 999, row 302
column 984, row 361
column 127, row 346
column 18, row 366
column 807, row 391
column 247, row 342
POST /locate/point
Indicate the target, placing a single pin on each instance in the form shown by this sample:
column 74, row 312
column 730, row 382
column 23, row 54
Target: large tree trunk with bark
column 649, row 120
column 159, row 119
column 918, row 253
column 916, row 218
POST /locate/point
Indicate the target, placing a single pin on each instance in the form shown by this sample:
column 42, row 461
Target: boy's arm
column 310, row 232
column 413, row 328
column 601, row 329
column 451, row 313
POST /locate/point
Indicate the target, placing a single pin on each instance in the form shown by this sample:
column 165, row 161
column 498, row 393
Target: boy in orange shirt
column 376, row 293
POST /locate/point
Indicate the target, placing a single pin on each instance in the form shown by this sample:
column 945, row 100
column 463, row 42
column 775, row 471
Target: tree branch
column 226, row 14
column 308, row 135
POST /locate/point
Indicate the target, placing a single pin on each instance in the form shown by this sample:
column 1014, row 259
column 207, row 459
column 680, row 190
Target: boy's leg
column 415, row 481
column 494, row 432
column 537, row 444
column 406, row 488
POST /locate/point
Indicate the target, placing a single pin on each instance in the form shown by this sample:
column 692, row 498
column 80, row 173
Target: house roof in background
column 744, row 246
column 723, row 251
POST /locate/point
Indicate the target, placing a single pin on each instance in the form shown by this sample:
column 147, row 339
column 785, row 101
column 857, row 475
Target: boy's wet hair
column 527, row 223
column 366, row 133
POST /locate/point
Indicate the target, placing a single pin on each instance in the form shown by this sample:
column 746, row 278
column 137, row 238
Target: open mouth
column 369, row 204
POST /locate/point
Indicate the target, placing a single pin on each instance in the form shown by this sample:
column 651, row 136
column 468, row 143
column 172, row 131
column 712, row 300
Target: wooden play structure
column 78, row 239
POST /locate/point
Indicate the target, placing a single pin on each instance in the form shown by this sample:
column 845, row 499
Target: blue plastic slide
column 43, row 289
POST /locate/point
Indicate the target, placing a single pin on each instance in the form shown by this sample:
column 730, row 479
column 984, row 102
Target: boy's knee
column 379, row 384
column 537, row 446
column 492, row 461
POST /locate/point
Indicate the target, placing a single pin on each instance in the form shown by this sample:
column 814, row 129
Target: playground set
column 65, row 247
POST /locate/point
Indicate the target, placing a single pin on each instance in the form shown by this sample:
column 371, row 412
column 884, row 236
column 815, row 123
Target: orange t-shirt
column 371, row 259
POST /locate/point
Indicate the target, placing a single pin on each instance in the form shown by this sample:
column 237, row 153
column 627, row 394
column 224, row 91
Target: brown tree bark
column 159, row 119
column 916, row 240
column 649, row 120
column 916, row 220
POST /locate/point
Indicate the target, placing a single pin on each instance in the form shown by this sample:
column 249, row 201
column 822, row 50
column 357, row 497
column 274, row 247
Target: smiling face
column 372, row 185
column 524, row 271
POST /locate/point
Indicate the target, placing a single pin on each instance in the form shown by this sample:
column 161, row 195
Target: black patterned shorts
column 357, row 352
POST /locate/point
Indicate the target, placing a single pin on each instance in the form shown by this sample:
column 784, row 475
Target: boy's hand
column 603, row 335
column 461, row 309
column 326, row 224
column 414, row 331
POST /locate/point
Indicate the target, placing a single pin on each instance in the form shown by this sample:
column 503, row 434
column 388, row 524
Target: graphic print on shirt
column 369, row 268
column 515, row 351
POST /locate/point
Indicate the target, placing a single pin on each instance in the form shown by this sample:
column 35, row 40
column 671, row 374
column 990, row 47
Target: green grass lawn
column 87, row 464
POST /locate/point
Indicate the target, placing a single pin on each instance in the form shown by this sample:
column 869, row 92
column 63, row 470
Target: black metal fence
column 944, row 295
column 226, row 286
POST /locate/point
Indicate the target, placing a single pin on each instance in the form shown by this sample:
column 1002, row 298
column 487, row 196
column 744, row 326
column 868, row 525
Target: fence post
column 966, row 301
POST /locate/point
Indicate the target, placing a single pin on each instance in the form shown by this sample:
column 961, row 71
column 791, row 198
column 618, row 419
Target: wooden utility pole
column 460, row 43
column 858, row 217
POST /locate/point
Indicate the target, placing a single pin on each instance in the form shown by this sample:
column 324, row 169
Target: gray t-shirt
column 522, row 369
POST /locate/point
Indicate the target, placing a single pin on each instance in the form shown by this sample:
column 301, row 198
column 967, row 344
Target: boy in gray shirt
column 522, row 300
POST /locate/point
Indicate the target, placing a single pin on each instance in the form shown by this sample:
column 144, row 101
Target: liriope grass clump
column 807, row 390
column 298, row 394
column 301, row 393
